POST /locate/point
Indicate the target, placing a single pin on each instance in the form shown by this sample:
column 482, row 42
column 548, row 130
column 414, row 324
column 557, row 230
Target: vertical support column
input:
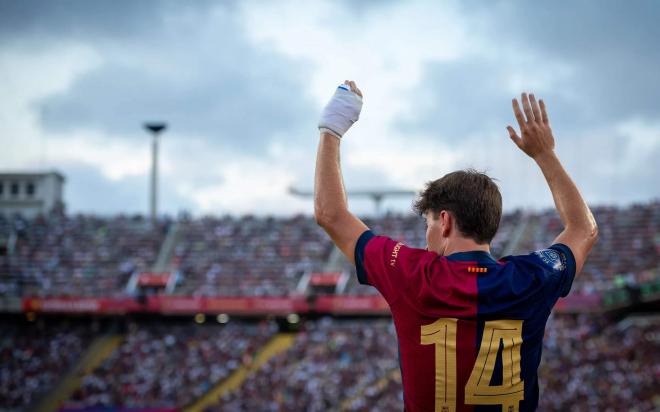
column 153, row 198
column 155, row 129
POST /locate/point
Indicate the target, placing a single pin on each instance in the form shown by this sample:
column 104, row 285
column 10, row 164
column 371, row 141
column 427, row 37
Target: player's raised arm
column 330, row 203
column 580, row 229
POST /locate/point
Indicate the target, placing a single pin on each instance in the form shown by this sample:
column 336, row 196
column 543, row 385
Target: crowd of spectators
column 169, row 365
column 592, row 365
column 589, row 363
column 330, row 361
column 77, row 255
column 626, row 254
column 248, row 255
column 627, row 251
column 81, row 255
column 385, row 395
column 34, row 356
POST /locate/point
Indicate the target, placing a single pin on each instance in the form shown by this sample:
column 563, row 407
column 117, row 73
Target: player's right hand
column 342, row 110
column 534, row 125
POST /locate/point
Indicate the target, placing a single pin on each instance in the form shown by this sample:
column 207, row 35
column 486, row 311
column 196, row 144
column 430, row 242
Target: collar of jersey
column 473, row 256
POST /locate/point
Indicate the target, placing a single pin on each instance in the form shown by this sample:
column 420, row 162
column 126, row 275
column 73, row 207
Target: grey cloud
column 88, row 191
column 610, row 47
column 43, row 21
column 203, row 78
column 464, row 97
column 239, row 110
column 361, row 8
column 456, row 99
column 579, row 28
column 201, row 75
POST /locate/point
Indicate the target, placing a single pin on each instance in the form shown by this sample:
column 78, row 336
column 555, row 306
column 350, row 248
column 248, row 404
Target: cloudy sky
column 241, row 85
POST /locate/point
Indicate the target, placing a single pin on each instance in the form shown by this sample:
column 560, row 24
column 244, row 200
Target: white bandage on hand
column 341, row 112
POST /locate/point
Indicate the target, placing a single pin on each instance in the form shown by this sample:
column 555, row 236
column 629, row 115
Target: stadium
column 119, row 313
column 161, row 246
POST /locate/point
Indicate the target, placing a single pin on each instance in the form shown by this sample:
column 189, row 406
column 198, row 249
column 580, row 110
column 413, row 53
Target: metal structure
column 155, row 128
column 376, row 195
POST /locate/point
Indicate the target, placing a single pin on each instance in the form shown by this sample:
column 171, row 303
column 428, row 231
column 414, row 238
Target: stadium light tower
column 155, row 129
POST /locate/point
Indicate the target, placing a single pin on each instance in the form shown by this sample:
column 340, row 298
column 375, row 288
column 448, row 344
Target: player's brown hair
column 472, row 198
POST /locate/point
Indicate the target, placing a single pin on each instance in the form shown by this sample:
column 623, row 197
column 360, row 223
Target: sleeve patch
column 553, row 259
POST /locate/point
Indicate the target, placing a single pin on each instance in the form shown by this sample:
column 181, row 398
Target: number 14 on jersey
column 478, row 391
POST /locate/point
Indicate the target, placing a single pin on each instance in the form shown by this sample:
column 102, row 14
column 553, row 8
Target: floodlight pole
column 155, row 129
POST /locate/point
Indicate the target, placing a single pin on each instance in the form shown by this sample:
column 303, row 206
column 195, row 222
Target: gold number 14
column 478, row 391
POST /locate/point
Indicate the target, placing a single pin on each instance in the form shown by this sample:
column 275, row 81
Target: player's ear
column 447, row 223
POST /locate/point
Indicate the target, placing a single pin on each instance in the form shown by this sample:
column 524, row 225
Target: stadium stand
column 75, row 256
column 627, row 252
column 169, row 364
column 33, row 358
column 589, row 364
column 248, row 255
column 592, row 364
column 252, row 256
column 331, row 361
column 592, row 361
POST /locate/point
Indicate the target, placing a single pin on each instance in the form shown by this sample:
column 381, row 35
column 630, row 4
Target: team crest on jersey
column 551, row 258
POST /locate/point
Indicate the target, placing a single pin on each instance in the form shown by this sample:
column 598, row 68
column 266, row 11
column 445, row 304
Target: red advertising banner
column 156, row 279
column 352, row 304
column 236, row 305
column 279, row 305
column 80, row 305
column 176, row 304
column 324, row 278
column 227, row 305
column 372, row 304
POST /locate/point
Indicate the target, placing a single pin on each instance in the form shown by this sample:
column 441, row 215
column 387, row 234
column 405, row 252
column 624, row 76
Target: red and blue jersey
column 470, row 328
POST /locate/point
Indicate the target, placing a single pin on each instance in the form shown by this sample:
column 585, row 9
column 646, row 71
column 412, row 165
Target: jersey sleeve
column 387, row 264
column 556, row 265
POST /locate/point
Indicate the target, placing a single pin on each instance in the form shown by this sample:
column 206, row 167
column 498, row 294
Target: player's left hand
column 342, row 110
column 534, row 125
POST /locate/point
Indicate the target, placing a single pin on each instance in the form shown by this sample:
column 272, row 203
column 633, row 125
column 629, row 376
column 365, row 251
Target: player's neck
column 461, row 244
